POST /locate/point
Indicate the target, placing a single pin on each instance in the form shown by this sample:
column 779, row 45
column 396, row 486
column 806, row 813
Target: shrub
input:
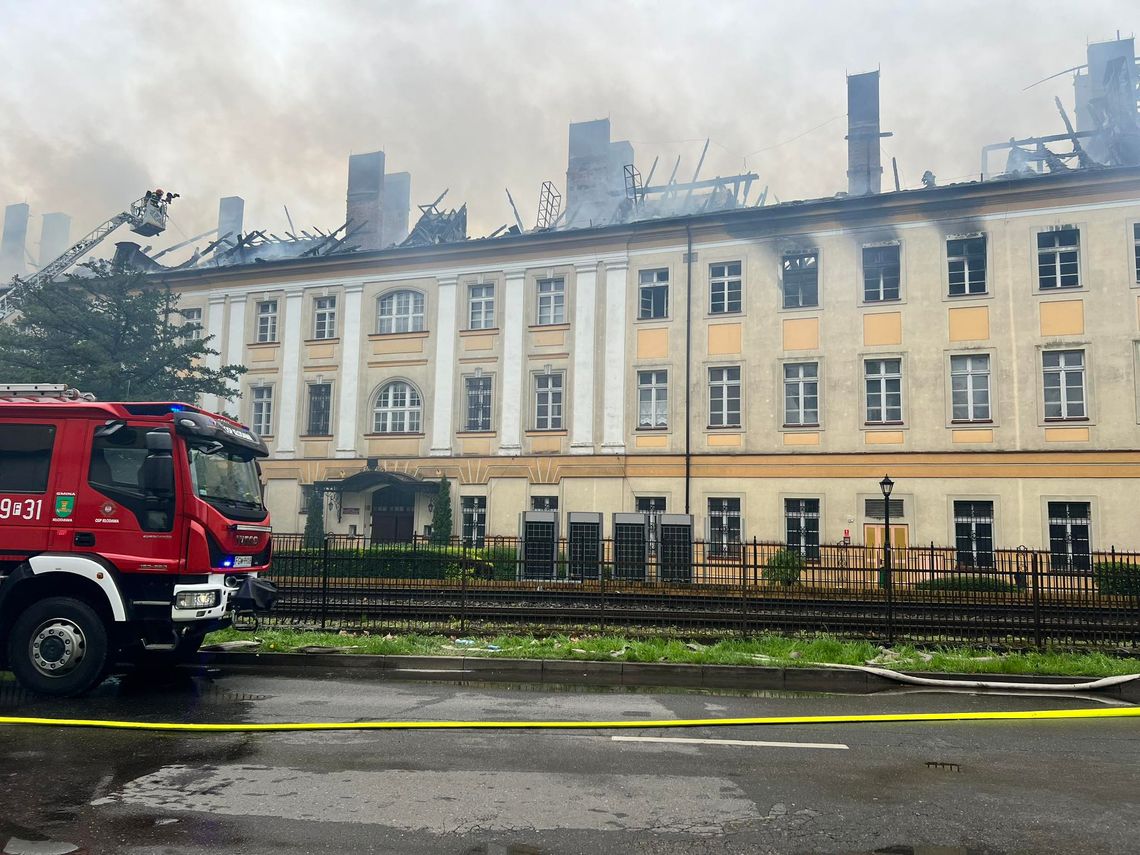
column 1117, row 578
column 784, row 567
column 968, row 582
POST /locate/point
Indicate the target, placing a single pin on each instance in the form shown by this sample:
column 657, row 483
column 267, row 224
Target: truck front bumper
column 250, row 594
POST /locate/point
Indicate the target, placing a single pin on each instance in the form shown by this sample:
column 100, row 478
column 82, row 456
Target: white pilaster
column 444, row 396
column 613, row 421
column 514, row 329
column 235, row 346
column 286, row 445
column 585, row 305
column 350, row 356
column 215, row 318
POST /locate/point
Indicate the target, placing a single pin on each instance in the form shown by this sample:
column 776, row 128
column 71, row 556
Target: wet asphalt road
column 938, row 788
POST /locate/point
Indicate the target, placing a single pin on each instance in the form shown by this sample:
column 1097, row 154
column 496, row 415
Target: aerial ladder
column 146, row 216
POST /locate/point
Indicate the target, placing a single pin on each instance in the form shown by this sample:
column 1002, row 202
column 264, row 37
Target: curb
column 590, row 673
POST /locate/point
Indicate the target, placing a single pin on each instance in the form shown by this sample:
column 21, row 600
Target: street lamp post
column 886, row 485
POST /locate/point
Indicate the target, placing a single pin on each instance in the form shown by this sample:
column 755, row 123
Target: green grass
column 767, row 650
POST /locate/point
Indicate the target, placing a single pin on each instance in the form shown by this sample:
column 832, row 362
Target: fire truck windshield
column 225, row 476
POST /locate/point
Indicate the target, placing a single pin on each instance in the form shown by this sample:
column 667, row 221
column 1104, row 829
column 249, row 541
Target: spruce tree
column 441, row 515
column 315, row 520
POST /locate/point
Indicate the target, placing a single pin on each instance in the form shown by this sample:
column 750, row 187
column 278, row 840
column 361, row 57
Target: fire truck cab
column 127, row 532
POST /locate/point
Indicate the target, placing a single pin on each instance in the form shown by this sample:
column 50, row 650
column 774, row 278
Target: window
column 25, row 457
column 801, row 526
column 261, row 416
column 1070, row 535
column 474, row 520
column 481, row 307
column 192, row 316
column 970, row 388
column 267, row 321
column 320, row 409
column 800, row 282
column 308, row 493
column 974, row 534
column 1136, row 248
column 551, row 301
column 478, row 403
column 881, row 273
column 724, row 288
column 398, row 409
column 400, row 311
column 548, row 401
column 118, row 463
column 652, row 399
column 724, row 526
column 653, row 294
column 324, row 317
column 883, row 379
column 966, row 258
column 1058, row 259
column 544, row 503
column 724, row 397
column 801, row 394
column 876, row 509
column 1064, row 375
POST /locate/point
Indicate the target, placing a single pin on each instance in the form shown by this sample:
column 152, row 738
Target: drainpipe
column 688, row 362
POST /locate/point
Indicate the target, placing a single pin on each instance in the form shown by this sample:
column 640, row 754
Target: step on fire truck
column 127, row 532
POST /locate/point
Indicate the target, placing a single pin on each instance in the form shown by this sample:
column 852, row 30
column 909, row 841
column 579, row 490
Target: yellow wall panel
column 479, row 342
column 320, row 351
column 315, row 448
column 659, row 441
column 1067, row 434
column 959, row 437
column 801, row 333
column 652, row 344
column 263, row 354
column 724, row 439
column 475, row 445
column 970, row 323
column 724, row 339
column 801, row 439
column 397, row 344
column 883, row 437
column 408, row 446
column 1063, row 317
column 550, row 338
column 882, row 328
column 545, row 444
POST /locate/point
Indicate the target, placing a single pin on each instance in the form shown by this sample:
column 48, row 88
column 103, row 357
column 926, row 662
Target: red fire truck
column 127, row 532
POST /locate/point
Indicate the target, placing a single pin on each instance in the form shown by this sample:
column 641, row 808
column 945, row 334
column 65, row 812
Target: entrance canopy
column 370, row 479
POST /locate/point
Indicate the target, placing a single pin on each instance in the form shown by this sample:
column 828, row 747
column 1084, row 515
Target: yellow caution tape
column 243, row 727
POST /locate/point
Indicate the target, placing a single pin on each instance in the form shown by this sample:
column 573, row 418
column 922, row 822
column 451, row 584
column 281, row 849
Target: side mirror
column 157, row 475
column 159, row 442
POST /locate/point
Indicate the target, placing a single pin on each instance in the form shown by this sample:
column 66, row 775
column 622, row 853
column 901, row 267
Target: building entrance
column 393, row 515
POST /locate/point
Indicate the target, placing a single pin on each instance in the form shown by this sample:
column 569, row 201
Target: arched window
column 398, row 409
column 400, row 311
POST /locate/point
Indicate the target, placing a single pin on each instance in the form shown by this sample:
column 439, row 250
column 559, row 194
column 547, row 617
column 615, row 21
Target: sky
column 266, row 99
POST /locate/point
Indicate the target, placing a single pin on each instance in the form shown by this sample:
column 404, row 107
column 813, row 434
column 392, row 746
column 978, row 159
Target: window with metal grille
column 584, row 546
column 192, row 316
column 970, row 388
column 652, row 399
column 474, row 510
column 544, row 503
column 400, row 311
column 675, row 551
column 267, row 321
column 801, row 394
column 481, row 307
column 1070, row 535
column 725, row 288
column 654, row 506
column 398, row 409
column 551, row 301
column 875, row 509
column 539, row 550
column 966, row 258
column 324, row 317
column 724, row 526
column 548, row 401
column 882, row 273
column 653, row 294
column 883, row 378
column 724, row 396
column 974, row 534
column 629, row 550
column 1136, row 248
column 320, row 409
column 800, row 280
column 1058, row 259
column 478, row 389
column 801, row 526
column 1064, row 378
column 261, row 411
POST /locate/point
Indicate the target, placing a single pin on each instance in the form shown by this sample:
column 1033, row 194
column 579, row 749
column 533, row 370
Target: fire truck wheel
column 58, row 646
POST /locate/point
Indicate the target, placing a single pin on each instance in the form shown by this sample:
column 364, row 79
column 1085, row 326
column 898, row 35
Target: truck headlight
column 196, row 600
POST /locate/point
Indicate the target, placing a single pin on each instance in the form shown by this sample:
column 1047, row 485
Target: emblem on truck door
column 107, row 509
column 64, row 505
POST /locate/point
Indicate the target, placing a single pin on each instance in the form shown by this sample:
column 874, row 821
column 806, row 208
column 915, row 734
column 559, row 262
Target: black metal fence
column 700, row 589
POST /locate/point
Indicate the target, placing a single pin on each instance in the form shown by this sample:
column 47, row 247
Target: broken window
column 881, row 273
column 653, row 292
column 966, row 258
column 1058, row 259
column 800, row 282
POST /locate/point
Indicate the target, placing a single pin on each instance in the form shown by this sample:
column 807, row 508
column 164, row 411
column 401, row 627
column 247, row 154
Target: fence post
column 602, row 598
column 465, row 567
column 744, row 562
column 325, row 581
column 889, row 573
column 1036, row 577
